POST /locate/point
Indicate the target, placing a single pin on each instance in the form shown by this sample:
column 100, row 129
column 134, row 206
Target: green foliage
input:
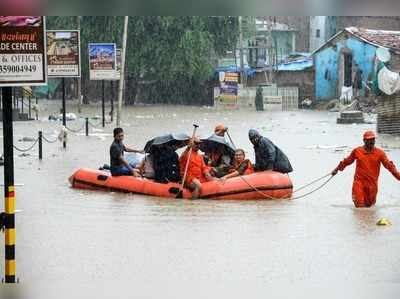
column 173, row 54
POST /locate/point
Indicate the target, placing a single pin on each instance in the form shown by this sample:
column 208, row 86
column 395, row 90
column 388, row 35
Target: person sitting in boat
column 166, row 164
column 145, row 168
column 118, row 164
column 217, row 159
column 268, row 155
column 197, row 171
column 241, row 166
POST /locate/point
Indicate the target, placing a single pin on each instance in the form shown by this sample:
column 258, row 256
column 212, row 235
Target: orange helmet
column 369, row 135
column 220, row 127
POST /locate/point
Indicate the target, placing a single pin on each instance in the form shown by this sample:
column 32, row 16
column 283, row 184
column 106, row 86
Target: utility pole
column 271, row 51
column 122, row 79
column 242, row 72
column 80, row 78
column 64, row 120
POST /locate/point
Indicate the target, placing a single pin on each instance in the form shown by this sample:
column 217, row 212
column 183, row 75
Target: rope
column 317, row 180
column 75, row 130
column 49, row 141
column 287, row 195
column 27, row 149
column 316, row 189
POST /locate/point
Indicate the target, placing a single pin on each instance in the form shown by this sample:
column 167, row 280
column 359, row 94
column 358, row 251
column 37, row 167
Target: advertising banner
column 22, row 51
column 63, row 53
column 229, row 88
column 102, row 61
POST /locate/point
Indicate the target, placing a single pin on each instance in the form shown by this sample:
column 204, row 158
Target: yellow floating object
column 383, row 221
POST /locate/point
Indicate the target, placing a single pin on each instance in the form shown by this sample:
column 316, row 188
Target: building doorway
column 345, row 73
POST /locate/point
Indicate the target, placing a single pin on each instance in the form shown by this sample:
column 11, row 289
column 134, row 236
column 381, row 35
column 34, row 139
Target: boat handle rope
column 296, row 197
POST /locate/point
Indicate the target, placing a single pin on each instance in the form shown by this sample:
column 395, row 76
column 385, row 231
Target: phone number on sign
column 17, row 68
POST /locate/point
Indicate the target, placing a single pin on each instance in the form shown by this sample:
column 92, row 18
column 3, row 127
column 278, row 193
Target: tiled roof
column 384, row 38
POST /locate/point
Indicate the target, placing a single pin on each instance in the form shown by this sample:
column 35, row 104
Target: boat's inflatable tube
column 259, row 185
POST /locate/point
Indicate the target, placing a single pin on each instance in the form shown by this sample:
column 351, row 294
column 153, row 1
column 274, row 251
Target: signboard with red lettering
column 63, row 53
column 22, row 51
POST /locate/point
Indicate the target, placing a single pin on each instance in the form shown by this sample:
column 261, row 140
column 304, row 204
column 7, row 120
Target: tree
column 168, row 59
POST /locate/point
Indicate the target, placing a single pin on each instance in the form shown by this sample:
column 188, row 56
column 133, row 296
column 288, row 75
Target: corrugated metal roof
column 297, row 61
column 235, row 69
column 298, row 65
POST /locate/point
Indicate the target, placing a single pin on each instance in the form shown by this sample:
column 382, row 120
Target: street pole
column 103, row 109
column 271, row 51
column 242, row 72
column 9, row 192
column 80, row 78
column 112, row 101
column 30, row 108
column 63, row 109
column 121, row 80
column 37, row 112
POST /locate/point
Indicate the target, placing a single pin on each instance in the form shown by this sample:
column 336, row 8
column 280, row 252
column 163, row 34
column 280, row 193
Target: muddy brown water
column 75, row 243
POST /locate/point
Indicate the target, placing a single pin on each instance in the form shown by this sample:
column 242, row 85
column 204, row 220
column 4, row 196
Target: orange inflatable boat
column 259, row 185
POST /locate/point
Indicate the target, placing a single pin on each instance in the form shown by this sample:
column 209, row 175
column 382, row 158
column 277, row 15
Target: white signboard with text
column 22, row 51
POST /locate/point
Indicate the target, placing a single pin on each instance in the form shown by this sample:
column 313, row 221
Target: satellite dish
column 383, row 54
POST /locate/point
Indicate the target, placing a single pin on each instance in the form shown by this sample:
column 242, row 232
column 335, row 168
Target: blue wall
column 327, row 64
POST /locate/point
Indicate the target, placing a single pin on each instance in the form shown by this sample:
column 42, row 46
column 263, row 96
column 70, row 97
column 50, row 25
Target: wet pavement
column 113, row 245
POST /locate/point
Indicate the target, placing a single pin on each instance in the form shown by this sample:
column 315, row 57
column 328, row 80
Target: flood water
column 91, row 244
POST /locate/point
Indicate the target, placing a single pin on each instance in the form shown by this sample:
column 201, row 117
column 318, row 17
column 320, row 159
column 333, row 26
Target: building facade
column 352, row 48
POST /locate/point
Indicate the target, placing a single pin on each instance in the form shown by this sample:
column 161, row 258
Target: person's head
column 195, row 143
column 369, row 139
column 118, row 134
column 254, row 136
column 220, row 130
column 239, row 155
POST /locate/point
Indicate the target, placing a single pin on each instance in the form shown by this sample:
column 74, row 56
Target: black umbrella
column 177, row 140
column 217, row 143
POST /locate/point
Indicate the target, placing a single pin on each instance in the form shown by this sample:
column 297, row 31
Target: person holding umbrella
column 368, row 163
column 165, row 161
column 216, row 156
column 166, row 164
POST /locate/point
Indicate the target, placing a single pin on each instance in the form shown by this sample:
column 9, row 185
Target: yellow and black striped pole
column 9, row 192
column 10, row 235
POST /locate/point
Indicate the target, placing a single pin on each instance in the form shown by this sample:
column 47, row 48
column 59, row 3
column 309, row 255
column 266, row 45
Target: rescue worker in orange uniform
column 220, row 130
column 368, row 161
column 197, row 171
